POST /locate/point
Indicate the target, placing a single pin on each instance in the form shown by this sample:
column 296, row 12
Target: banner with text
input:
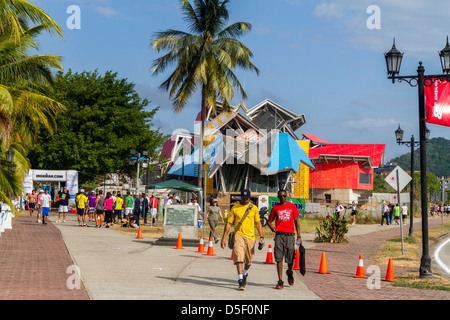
column 437, row 103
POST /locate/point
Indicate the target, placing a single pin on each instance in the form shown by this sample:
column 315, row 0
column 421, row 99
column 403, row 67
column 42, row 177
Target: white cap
column 82, row 190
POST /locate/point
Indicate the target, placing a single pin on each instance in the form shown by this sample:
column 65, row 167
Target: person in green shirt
column 129, row 201
column 396, row 213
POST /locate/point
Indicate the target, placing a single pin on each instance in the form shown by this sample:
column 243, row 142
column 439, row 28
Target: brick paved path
column 34, row 262
column 342, row 261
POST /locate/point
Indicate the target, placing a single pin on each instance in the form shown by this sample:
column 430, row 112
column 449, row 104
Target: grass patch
column 411, row 259
column 412, row 280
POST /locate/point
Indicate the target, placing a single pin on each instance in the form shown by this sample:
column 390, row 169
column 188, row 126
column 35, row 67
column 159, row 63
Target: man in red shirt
column 285, row 215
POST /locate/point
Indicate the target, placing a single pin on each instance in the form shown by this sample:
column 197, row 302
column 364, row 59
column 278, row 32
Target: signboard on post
column 403, row 179
column 398, row 179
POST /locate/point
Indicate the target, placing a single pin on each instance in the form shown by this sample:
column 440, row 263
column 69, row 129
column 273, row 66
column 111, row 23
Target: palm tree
column 25, row 82
column 13, row 12
column 205, row 58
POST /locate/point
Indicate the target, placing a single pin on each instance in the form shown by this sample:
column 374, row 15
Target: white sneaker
column 64, row 221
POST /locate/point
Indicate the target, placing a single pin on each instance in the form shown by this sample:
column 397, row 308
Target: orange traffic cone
column 390, row 272
column 297, row 260
column 139, row 235
column 323, row 265
column 99, row 221
column 210, row 248
column 179, row 242
column 201, row 246
column 360, row 269
column 269, row 257
column 232, row 256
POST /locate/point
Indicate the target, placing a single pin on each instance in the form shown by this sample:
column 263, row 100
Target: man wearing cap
column 244, row 244
column 82, row 203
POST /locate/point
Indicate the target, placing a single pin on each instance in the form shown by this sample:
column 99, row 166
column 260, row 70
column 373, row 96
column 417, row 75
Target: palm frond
column 13, row 11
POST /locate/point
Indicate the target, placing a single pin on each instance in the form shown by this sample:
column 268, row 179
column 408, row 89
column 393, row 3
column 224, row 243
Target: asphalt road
column 442, row 255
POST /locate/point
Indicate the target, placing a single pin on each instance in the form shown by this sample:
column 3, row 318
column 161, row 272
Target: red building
column 342, row 171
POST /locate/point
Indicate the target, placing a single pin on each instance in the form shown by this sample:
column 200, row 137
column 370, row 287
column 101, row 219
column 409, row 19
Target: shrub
column 331, row 229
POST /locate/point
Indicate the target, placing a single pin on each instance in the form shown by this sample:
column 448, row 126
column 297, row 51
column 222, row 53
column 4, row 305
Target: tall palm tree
column 205, row 58
column 25, row 82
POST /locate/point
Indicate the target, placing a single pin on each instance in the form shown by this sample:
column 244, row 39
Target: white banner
column 49, row 175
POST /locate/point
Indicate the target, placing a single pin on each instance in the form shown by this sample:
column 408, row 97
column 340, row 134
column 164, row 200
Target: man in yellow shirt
column 81, row 202
column 244, row 244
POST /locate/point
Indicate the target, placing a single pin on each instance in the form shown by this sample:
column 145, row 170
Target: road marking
column 438, row 260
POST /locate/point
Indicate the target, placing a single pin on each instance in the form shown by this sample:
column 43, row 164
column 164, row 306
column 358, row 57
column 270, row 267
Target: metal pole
column 137, row 178
column 425, row 261
column 398, row 203
column 411, row 204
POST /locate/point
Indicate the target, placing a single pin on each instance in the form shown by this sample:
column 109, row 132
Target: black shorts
column 32, row 205
column 284, row 247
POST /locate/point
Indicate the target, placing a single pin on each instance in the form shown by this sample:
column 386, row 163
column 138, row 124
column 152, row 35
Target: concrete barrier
column 8, row 220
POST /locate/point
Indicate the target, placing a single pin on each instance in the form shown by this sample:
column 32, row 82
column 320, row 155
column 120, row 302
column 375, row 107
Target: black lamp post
column 393, row 63
column 412, row 143
column 10, row 155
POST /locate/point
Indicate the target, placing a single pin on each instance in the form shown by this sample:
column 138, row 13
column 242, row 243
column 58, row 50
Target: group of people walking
column 105, row 210
column 440, row 209
column 112, row 208
column 391, row 211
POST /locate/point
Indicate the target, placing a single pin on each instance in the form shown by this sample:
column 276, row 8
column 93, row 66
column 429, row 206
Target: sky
column 323, row 59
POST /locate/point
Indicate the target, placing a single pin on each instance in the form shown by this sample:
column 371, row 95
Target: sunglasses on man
column 282, row 196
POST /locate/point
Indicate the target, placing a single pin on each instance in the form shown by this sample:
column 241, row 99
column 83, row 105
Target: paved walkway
column 35, row 260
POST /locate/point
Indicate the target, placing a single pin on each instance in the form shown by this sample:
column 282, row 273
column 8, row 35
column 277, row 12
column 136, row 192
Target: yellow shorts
column 244, row 250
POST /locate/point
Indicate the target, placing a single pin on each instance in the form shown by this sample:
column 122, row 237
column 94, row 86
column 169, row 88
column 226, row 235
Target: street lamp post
column 393, row 63
column 131, row 161
column 412, row 143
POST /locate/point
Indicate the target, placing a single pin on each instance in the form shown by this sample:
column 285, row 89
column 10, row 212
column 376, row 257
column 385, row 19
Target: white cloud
column 107, row 12
column 329, row 11
column 420, row 27
column 371, row 123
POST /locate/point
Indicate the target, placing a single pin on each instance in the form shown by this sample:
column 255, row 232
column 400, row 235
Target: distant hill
column 438, row 158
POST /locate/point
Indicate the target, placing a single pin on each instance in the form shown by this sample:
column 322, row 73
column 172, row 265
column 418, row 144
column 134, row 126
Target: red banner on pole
column 437, row 103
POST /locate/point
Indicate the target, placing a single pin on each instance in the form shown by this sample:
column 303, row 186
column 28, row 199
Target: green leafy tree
column 105, row 118
column 437, row 159
column 205, row 58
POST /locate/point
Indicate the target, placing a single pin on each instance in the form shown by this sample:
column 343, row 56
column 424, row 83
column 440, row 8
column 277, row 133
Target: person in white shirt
column 194, row 203
column 339, row 209
column 46, row 200
column 404, row 213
